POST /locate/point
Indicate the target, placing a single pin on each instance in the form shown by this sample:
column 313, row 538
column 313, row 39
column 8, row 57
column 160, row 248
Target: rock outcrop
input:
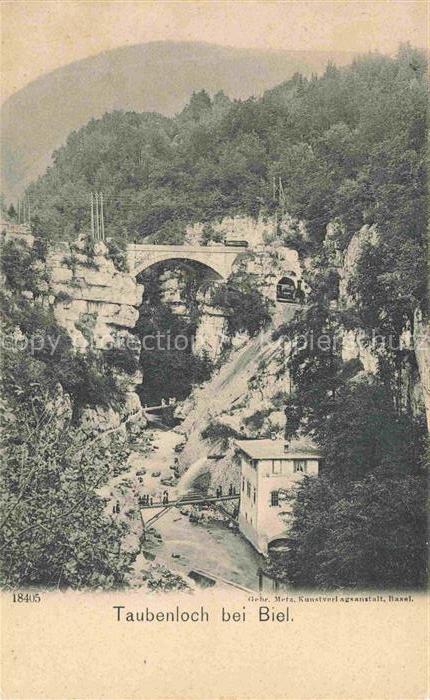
column 87, row 284
column 97, row 305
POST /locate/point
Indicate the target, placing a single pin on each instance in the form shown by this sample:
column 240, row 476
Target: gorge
column 319, row 181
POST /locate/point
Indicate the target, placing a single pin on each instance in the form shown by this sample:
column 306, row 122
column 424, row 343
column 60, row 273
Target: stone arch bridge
column 220, row 258
column 93, row 292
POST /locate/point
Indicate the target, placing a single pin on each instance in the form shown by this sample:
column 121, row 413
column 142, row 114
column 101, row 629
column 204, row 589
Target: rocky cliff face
column 356, row 343
column 98, row 306
column 244, row 397
column 353, row 341
column 86, row 284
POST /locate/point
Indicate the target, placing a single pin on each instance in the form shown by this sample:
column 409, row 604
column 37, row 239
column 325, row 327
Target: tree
column 169, row 365
column 246, row 309
column 22, row 268
column 364, row 431
column 370, row 534
column 53, row 530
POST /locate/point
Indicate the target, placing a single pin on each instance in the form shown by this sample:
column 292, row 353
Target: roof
column 274, row 449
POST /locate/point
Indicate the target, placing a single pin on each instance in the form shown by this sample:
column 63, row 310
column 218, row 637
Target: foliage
column 53, row 531
column 121, row 358
column 22, row 267
column 246, row 309
column 168, row 362
column 218, row 430
column 371, row 534
column 348, row 148
column 364, row 431
column 209, row 234
column 172, row 374
column 348, row 145
column 116, row 251
column 169, row 233
column 315, row 366
column 38, row 353
column 256, row 420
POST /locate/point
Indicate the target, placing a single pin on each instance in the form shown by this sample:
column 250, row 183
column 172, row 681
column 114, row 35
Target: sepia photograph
column 215, row 345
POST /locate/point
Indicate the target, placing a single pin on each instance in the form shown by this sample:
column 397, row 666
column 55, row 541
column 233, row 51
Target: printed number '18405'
column 26, row 597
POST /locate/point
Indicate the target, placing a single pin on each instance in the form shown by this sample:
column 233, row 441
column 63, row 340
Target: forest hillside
column 155, row 76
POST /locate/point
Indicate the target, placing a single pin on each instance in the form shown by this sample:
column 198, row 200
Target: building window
column 255, row 494
column 276, row 466
column 248, row 488
column 274, row 498
column 300, row 465
column 243, row 483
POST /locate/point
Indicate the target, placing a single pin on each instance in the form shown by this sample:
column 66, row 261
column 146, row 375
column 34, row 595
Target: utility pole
column 97, row 218
column 102, row 217
column 92, row 215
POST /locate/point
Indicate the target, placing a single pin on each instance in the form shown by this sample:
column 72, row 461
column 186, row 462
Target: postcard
column 215, row 350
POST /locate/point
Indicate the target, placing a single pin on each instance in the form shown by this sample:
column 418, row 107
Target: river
column 212, row 546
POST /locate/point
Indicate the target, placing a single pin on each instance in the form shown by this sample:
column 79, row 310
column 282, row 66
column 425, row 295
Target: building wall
column 248, row 513
column 270, row 523
column 260, row 522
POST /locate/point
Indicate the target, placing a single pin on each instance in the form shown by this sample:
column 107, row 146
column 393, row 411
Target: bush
column 256, row 421
column 46, row 356
column 118, row 254
column 121, row 358
column 169, row 233
column 54, row 531
column 22, row 267
column 246, row 311
column 214, row 431
column 210, row 235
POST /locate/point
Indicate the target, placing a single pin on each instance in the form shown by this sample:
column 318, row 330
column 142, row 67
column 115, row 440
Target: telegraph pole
column 97, row 217
column 92, row 215
column 102, row 217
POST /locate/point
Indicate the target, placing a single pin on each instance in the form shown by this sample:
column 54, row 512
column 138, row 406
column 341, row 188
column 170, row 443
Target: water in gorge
column 209, row 546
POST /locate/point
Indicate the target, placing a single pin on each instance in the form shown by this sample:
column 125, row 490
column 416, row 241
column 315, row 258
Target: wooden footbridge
column 179, row 502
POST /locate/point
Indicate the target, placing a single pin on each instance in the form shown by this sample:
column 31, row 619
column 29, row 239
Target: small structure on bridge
column 269, row 470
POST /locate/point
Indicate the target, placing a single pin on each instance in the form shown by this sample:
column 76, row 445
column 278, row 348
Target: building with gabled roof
column 269, row 471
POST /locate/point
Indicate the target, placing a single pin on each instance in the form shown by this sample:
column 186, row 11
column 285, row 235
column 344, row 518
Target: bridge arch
column 220, row 259
column 206, row 272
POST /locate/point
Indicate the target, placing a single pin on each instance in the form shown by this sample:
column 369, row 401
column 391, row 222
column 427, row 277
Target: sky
column 41, row 35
